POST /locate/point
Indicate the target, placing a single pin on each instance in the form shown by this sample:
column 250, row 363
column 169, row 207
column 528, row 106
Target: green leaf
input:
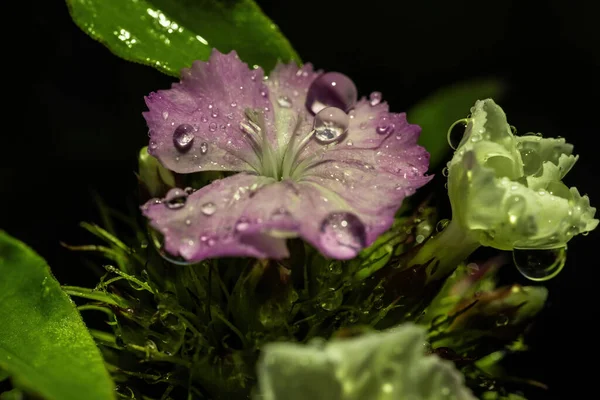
column 436, row 113
column 170, row 34
column 44, row 345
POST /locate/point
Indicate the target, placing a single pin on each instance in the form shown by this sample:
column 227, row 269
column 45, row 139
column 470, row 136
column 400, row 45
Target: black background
column 81, row 125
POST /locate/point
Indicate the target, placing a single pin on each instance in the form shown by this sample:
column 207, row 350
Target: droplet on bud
column 540, row 265
column 183, row 138
column 331, row 90
column 330, row 124
column 532, row 162
column 456, row 133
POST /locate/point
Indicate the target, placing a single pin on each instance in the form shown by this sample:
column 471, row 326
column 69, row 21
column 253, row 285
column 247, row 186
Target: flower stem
column 444, row 251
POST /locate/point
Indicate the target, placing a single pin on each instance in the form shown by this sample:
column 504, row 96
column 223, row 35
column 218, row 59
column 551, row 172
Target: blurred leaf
column 170, row 34
column 436, row 113
column 44, row 345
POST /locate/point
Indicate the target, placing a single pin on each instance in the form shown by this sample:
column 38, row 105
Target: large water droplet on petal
column 183, row 137
column 208, row 209
column 540, row 265
column 330, row 124
column 175, row 199
column 456, row 133
column 343, row 234
column 532, row 162
column 331, row 90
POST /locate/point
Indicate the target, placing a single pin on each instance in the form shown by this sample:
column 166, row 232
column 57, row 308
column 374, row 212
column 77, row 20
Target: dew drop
column 203, row 148
column 175, row 199
column 343, row 234
column 445, row 172
column 442, row 224
column 515, row 207
column 153, row 145
column 532, row 162
column 385, row 128
column 208, row 209
column 212, row 127
column 215, row 113
column 331, row 89
column 559, row 189
column 331, row 300
column 183, row 137
column 165, row 115
column 242, row 225
column 330, row 124
column 502, row 320
column 284, row 101
column 375, row 98
column 204, row 119
column 540, row 265
column 456, row 133
column 233, row 104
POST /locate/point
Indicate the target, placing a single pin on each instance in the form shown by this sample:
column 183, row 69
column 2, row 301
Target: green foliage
column 437, row 112
column 44, row 346
column 170, row 34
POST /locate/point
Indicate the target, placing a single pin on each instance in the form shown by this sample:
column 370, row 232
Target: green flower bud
column 507, row 191
column 156, row 178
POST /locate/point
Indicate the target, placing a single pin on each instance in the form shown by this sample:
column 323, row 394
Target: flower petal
column 195, row 125
column 382, row 365
column 209, row 222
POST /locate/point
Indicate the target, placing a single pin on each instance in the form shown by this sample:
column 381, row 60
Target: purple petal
column 221, row 219
column 195, row 125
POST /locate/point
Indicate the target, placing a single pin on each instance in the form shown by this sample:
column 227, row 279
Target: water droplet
column 445, row 172
column 502, row 320
column 331, row 89
column 385, row 127
column 284, row 101
column 203, row 148
column 175, row 199
column 208, row 209
column 375, row 98
column 442, row 224
column 204, row 119
column 515, row 207
column 335, row 267
column 215, row 113
column 183, row 137
column 472, row 268
column 559, row 189
column 233, row 104
column 242, row 225
column 153, row 145
column 456, row 133
column 331, row 300
column 330, row 124
column 343, row 234
column 532, row 162
column 513, row 129
column 540, row 265
column 212, row 127
column 165, row 115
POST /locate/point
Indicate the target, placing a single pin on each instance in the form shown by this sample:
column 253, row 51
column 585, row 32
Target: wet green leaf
column 170, row 34
column 436, row 113
column 44, row 345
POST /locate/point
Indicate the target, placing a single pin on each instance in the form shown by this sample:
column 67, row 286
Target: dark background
column 81, row 125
